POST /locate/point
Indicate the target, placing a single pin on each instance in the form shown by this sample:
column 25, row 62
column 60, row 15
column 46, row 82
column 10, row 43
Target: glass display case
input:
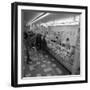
column 63, row 55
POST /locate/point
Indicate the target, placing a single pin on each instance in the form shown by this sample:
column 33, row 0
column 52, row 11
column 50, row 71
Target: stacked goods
column 62, row 54
column 58, row 50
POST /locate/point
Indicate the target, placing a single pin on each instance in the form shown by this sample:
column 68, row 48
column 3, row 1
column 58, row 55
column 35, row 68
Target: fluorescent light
column 42, row 16
column 29, row 23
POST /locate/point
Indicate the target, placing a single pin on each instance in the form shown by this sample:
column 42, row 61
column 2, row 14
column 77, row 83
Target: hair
column 56, row 37
column 67, row 39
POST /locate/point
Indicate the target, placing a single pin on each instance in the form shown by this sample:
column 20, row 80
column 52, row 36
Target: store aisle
column 42, row 64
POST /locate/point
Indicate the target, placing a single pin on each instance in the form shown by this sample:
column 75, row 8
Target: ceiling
column 56, row 17
column 29, row 15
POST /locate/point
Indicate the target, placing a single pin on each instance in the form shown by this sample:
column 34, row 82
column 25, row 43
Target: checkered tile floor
column 42, row 64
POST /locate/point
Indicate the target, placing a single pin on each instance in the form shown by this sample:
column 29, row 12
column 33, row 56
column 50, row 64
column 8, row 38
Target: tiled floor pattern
column 42, row 64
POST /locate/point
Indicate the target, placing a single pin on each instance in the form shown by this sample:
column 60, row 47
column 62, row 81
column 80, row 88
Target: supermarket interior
column 50, row 43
